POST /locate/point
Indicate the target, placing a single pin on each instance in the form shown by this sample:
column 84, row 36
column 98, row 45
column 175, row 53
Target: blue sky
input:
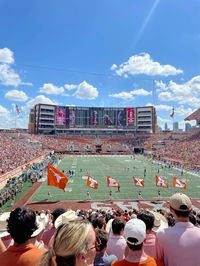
column 99, row 53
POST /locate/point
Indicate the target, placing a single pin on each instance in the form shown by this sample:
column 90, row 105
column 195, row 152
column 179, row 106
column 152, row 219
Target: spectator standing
column 102, row 258
column 74, row 244
column 21, row 226
column 116, row 241
column 50, row 230
column 135, row 234
column 179, row 245
column 154, row 222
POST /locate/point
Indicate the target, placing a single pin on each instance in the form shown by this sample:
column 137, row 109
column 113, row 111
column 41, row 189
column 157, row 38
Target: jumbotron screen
column 95, row 117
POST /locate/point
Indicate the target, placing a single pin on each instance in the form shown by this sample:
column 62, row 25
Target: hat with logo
column 135, row 228
column 180, row 202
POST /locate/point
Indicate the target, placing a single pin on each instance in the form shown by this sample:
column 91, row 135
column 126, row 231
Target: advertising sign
column 120, row 118
column 60, row 116
column 93, row 117
column 130, row 116
column 72, row 116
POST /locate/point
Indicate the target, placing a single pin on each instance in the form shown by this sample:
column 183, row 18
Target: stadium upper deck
column 62, row 120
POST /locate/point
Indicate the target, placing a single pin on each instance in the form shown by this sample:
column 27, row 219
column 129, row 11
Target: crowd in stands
column 102, row 237
column 22, row 152
column 32, row 173
column 181, row 149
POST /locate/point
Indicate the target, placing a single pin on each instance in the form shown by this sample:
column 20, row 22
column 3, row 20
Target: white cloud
column 6, row 56
column 5, row 118
column 70, row 87
column 3, row 111
column 8, row 76
column 49, row 88
column 39, row 99
column 161, row 107
column 16, row 95
column 144, row 64
column 183, row 111
column 163, row 120
column 130, row 95
column 122, row 95
column 186, row 93
column 86, row 91
column 113, row 67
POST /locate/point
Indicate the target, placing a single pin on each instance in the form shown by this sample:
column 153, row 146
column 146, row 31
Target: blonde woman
column 74, row 245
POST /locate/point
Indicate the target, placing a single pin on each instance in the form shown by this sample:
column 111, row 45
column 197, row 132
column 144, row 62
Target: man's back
column 179, row 245
column 116, row 245
column 22, row 255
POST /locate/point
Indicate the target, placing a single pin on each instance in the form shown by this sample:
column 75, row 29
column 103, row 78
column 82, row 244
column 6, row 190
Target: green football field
column 122, row 168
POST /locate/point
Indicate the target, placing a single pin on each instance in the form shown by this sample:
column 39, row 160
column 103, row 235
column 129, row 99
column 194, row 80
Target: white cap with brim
column 109, row 226
column 135, row 228
column 66, row 217
column 160, row 221
column 3, row 224
column 41, row 221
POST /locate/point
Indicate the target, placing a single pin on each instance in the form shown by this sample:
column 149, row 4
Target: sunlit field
column 122, row 168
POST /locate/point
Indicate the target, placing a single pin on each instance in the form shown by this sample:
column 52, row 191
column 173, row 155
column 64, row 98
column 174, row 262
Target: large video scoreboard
column 95, row 117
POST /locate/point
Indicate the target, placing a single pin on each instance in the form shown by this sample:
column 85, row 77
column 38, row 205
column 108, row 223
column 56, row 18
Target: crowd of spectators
column 15, row 152
column 102, row 237
column 32, row 173
column 179, row 149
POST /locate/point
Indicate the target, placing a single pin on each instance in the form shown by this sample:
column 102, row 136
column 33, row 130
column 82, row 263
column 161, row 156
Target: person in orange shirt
column 135, row 234
column 21, row 226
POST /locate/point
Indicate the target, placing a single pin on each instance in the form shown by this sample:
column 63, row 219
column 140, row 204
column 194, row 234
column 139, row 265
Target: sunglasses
column 96, row 245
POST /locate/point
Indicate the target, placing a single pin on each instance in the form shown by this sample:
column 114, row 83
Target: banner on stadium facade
column 94, row 117
column 130, row 113
column 108, row 117
column 121, row 118
column 60, row 116
column 72, row 117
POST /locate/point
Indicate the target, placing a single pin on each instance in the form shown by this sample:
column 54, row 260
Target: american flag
column 17, row 109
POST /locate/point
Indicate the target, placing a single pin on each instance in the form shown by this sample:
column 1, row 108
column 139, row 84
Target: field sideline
column 122, row 168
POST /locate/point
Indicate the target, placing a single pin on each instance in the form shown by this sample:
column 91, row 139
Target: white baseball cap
column 135, row 228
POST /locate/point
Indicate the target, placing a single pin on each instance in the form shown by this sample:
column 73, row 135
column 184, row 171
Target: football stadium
column 99, row 133
column 124, row 161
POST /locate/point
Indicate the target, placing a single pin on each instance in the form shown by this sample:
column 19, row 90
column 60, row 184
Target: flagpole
column 15, row 121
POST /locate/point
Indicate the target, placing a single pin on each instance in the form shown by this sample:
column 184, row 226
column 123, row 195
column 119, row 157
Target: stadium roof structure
column 194, row 116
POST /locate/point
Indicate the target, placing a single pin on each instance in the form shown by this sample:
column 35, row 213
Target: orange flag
column 92, row 183
column 160, row 182
column 111, row 182
column 56, row 177
column 139, row 182
column 179, row 183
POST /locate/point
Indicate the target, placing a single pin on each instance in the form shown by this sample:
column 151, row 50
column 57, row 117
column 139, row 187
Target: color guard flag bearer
column 56, row 177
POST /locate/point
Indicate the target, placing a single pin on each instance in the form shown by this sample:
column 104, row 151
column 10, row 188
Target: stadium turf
column 122, row 168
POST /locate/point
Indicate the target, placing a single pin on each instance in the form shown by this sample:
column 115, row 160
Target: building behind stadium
column 62, row 120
